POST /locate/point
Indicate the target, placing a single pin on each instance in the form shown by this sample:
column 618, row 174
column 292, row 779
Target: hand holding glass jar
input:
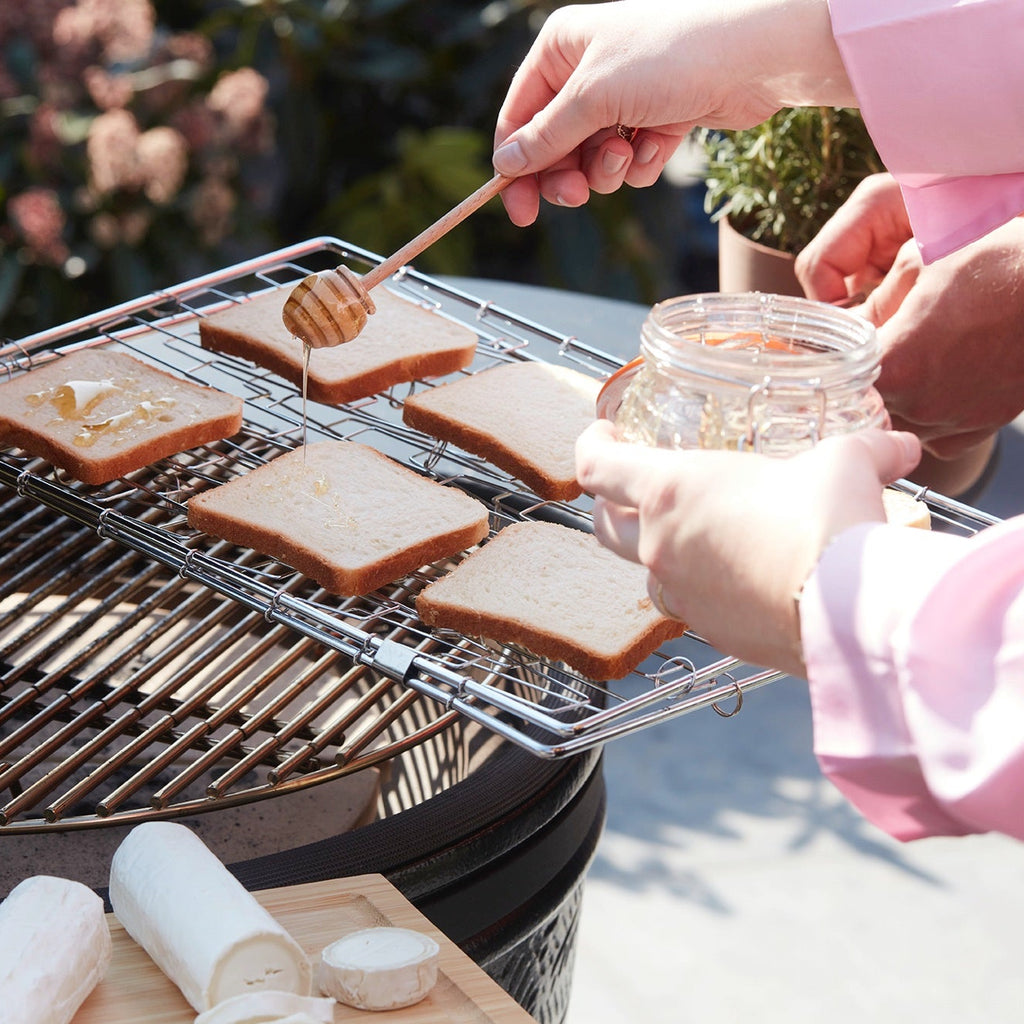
column 729, row 538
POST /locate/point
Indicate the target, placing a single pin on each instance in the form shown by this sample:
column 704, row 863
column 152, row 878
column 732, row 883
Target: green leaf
column 783, row 179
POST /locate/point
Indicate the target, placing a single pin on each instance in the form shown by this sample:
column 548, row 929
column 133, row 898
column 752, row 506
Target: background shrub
column 143, row 142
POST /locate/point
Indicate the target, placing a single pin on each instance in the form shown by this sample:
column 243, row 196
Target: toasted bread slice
column 557, row 592
column 343, row 514
column 523, row 417
column 401, row 342
column 100, row 414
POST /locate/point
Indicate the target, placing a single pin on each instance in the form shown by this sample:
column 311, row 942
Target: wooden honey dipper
column 331, row 307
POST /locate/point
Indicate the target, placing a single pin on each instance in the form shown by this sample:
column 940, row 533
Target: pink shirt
column 914, row 640
column 941, row 86
column 914, row 643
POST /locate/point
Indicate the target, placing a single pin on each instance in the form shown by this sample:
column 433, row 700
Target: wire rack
column 132, row 645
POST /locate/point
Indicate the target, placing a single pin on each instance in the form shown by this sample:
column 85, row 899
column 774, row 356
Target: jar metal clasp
column 766, row 398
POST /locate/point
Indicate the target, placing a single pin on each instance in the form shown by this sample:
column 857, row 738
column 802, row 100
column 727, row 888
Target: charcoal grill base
column 537, row 968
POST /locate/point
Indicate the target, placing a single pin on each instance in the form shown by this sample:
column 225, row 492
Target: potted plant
column 773, row 186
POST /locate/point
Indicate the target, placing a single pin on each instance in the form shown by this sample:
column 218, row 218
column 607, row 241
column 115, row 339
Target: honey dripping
column 306, row 349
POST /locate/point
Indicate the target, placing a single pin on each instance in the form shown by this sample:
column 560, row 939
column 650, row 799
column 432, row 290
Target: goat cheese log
column 267, row 1006
column 201, row 927
column 54, row 949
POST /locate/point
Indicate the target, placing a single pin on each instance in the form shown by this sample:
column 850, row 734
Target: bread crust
column 522, row 417
column 29, row 418
column 548, row 644
column 518, row 607
column 325, row 512
column 401, row 342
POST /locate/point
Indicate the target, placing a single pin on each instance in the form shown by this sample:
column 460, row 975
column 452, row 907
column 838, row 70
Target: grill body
column 151, row 672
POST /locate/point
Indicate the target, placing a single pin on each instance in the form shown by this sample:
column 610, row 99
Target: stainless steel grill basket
column 148, row 669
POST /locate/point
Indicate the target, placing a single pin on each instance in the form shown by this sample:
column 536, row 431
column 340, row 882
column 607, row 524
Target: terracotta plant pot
column 747, row 266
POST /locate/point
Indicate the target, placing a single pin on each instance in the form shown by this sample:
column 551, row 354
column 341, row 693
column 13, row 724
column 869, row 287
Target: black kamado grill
column 151, row 672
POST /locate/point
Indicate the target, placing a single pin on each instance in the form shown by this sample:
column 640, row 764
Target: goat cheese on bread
column 100, row 414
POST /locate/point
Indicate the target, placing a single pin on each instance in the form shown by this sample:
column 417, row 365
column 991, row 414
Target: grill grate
column 149, row 670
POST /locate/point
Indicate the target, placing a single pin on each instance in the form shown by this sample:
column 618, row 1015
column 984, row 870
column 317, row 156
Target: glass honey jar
column 748, row 371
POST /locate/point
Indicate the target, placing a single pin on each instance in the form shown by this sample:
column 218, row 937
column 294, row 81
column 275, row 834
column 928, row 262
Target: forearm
column 793, row 45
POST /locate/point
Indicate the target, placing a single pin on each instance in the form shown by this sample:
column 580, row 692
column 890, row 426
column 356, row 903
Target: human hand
column 949, row 332
column 952, row 367
column 729, row 538
column 661, row 68
column 859, row 244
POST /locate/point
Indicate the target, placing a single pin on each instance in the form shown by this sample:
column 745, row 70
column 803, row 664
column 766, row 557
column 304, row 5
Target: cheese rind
column 55, row 948
column 379, row 968
column 201, row 927
column 266, row 1006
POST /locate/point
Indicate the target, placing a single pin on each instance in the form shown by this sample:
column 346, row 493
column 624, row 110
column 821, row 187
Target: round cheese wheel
column 379, row 968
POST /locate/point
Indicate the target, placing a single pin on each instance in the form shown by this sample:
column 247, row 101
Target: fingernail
column 560, row 200
column 509, row 159
column 613, row 163
column 646, row 151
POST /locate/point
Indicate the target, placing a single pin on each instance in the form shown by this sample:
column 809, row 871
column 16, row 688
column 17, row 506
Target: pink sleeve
column 914, row 644
column 941, row 86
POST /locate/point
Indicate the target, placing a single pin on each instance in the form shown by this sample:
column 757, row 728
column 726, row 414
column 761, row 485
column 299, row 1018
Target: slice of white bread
column 100, row 414
column 343, row 514
column 523, row 417
column 557, row 592
column 903, row 509
column 401, row 342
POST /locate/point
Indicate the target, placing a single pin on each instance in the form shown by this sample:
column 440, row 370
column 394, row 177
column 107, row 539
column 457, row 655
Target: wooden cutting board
column 135, row 990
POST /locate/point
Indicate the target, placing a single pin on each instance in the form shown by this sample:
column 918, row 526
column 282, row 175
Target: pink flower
column 107, row 91
column 39, row 219
column 189, row 46
column 128, row 34
column 76, row 29
column 111, row 151
column 162, row 156
column 238, row 97
column 121, row 30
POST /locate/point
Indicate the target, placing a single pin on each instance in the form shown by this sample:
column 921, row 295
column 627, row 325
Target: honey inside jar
column 754, row 341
